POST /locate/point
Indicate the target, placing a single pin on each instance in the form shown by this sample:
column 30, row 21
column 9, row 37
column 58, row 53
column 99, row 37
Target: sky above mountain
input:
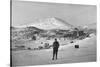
column 24, row 13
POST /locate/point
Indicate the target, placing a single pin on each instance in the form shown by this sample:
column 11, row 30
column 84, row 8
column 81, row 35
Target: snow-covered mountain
column 51, row 23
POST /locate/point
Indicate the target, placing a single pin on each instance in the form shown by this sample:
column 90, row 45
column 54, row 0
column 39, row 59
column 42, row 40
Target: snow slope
column 67, row 54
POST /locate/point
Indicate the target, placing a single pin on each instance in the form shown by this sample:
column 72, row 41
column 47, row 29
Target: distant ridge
column 51, row 23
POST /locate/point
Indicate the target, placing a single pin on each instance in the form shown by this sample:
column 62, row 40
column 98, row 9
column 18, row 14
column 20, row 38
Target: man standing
column 55, row 48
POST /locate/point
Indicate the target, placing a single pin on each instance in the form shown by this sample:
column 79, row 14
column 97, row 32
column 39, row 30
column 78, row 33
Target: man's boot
column 56, row 58
column 52, row 58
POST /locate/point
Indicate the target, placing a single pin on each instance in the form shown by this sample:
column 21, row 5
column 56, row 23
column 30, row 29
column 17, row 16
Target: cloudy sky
column 24, row 12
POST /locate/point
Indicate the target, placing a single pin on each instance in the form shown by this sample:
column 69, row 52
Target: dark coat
column 56, row 45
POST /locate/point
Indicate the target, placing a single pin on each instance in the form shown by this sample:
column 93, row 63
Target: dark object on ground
column 46, row 46
column 29, row 48
column 71, row 42
column 76, row 46
column 87, row 35
column 20, row 46
column 41, row 42
column 34, row 38
column 36, row 48
column 40, row 47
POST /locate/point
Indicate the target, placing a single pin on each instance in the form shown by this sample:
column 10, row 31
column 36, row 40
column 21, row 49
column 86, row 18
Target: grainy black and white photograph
column 45, row 33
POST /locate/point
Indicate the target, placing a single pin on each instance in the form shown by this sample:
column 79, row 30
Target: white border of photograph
column 5, row 33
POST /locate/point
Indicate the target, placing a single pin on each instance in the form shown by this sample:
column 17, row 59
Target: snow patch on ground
column 66, row 54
